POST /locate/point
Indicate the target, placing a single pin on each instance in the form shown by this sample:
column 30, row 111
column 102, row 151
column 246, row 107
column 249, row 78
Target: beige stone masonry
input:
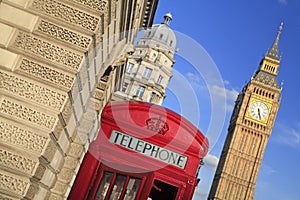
column 26, row 114
column 8, row 60
column 5, row 197
column 54, row 196
column 49, row 178
column 17, row 17
column 31, row 91
column 19, row 3
column 15, row 184
column 22, row 137
column 63, row 35
column 66, row 14
column 6, row 34
column 57, row 161
column 44, row 73
column 23, row 163
column 42, row 193
column 71, row 162
column 39, row 48
column 59, row 188
column 96, row 6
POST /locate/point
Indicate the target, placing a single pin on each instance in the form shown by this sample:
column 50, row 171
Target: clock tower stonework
column 250, row 127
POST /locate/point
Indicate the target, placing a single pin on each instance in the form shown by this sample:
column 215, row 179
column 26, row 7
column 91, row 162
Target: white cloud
column 230, row 94
column 199, row 193
column 211, row 162
column 193, row 78
column 289, row 135
column 215, row 91
column 267, row 170
column 284, row 2
column 226, row 82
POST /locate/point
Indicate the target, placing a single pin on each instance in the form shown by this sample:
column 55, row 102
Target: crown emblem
column 157, row 125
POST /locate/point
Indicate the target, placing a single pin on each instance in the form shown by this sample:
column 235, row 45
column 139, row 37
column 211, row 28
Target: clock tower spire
column 270, row 63
column 250, row 126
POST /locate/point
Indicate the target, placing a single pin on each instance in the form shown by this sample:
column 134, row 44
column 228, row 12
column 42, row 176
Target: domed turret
column 167, row 18
column 149, row 67
column 160, row 35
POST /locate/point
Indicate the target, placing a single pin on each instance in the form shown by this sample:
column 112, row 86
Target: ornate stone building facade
column 249, row 130
column 52, row 56
column 148, row 70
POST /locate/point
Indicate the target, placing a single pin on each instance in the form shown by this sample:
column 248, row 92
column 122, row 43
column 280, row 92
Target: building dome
column 162, row 34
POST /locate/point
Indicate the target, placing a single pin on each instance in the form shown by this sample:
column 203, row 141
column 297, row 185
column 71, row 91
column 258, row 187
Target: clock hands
column 259, row 113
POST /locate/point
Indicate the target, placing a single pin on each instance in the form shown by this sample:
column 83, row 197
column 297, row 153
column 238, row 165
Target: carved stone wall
column 12, row 134
column 67, row 13
column 19, row 111
column 26, row 42
column 51, row 60
column 62, row 34
column 31, row 91
column 45, row 73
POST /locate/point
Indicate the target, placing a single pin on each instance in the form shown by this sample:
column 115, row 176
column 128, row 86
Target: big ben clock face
column 259, row 110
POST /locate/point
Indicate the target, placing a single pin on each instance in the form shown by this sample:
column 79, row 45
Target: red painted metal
column 145, row 141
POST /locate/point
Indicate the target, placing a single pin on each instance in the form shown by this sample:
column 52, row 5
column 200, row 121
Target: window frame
column 140, row 93
column 147, row 72
column 129, row 67
column 124, row 87
column 159, row 79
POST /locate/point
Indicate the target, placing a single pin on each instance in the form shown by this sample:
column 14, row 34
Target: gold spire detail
column 273, row 52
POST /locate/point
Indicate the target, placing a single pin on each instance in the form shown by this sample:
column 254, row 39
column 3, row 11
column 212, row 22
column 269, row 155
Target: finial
column 279, row 31
column 273, row 52
column 167, row 18
column 281, row 26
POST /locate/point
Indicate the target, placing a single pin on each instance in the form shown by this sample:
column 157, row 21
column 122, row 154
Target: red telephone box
column 143, row 151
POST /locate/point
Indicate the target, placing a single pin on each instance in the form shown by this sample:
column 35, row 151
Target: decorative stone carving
column 2, row 197
column 66, row 13
column 66, row 175
column 55, row 197
column 12, row 184
column 14, row 161
column 53, row 53
column 113, row 9
column 31, row 91
column 98, row 94
column 80, row 138
column 98, row 5
column 71, row 162
column 19, row 111
column 63, row 34
column 58, row 130
column 76, row 150
column 25, row 139
column 67, row 112
column 85, row 125
column 60, row 188
column 46, row 73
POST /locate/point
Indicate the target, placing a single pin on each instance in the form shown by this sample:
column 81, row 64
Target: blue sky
column 236, row 35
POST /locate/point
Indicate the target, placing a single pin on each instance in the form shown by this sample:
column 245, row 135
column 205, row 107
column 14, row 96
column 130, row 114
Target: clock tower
column 250, row 127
